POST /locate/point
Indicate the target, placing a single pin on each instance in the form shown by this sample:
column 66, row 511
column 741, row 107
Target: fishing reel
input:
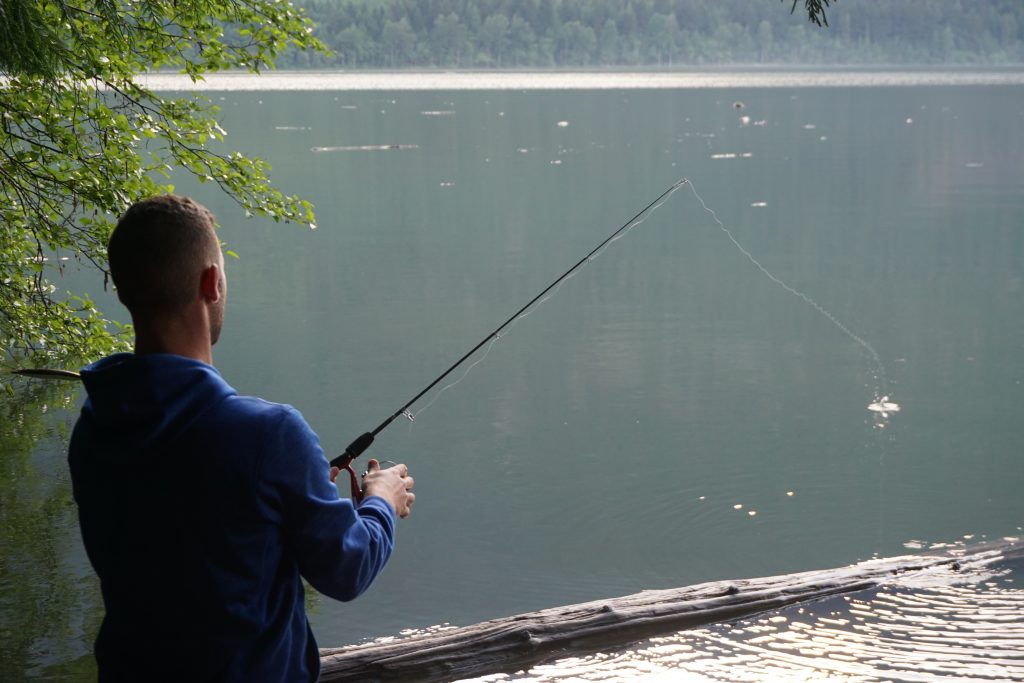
column 344, row 462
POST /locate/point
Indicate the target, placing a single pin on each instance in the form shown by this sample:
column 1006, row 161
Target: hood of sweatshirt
column 147, row 399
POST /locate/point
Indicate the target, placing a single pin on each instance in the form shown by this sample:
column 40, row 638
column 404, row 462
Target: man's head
column 164, row 257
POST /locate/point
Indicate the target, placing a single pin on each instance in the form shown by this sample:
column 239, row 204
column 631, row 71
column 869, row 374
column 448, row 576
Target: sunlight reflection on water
column 585, row 80
column 973, row 633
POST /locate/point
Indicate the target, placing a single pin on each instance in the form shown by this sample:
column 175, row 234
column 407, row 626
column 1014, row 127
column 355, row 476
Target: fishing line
column 881, row 398
column 880, row 403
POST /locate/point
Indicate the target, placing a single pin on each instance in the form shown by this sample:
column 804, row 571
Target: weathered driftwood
column 513, row 643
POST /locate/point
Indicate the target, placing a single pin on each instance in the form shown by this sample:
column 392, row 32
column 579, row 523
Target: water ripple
column 940, row 633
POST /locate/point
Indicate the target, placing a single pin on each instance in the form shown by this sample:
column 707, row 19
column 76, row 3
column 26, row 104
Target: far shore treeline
column 606, row 33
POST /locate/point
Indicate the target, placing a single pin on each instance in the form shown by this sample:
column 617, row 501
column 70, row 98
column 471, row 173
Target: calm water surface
column 672, row 415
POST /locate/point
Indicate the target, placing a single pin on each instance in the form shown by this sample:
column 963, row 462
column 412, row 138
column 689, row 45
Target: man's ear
column 209, row 283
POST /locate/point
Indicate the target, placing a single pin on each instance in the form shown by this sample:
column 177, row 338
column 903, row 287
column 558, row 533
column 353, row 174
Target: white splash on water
column 884, row 407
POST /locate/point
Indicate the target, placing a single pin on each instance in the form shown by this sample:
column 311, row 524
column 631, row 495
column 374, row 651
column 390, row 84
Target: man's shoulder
column 260, row 417
column 275, row 434
column 258, row 409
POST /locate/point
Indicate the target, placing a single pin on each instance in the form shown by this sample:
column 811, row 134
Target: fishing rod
column 357, row 447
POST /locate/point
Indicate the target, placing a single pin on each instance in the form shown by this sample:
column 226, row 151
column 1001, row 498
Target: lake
column 692, row 404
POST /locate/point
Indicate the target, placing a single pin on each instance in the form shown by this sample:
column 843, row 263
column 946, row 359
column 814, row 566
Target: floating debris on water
column 744, row 120
column 556, row 162
column 522, row 150
column 349, row 106
column 292, row 128
column 447, row 183
column 738, row 105
column 909, row 120
column 362, row 148
column 562, row 124
column 884, row 406
column 732, row 155
column 809, row 126
column 974, row 164
column 737, row 506
column 439, row 112
column 759, row 205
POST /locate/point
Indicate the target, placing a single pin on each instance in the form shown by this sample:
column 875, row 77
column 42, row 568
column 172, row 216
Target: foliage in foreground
column 81, row 138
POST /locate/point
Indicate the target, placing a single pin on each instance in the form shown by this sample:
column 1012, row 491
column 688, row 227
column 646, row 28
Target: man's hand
column 393, row 485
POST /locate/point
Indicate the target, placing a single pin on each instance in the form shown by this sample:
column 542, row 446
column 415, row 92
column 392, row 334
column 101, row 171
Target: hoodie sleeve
column 340, row 548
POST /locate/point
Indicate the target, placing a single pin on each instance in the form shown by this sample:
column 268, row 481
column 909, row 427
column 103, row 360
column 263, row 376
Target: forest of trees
column 595, row 33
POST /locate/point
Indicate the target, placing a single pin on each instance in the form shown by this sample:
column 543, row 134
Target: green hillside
column 594, row 33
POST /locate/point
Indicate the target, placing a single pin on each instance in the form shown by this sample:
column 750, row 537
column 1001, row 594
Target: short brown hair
column 157, row 252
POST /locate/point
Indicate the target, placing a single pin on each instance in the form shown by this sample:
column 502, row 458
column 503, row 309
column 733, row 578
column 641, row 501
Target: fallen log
column 513, row 643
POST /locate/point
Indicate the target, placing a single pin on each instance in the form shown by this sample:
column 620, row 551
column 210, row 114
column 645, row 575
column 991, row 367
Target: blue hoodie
column 199, row 510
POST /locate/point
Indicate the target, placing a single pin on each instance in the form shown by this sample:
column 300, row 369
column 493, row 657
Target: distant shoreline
column 716, row 77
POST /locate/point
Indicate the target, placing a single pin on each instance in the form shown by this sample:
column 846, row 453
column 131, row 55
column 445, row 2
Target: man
column 200, row 509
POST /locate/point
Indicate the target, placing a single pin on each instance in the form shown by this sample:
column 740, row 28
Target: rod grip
column 354, row 450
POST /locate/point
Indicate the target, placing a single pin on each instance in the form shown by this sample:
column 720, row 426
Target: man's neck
column 180, row 336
